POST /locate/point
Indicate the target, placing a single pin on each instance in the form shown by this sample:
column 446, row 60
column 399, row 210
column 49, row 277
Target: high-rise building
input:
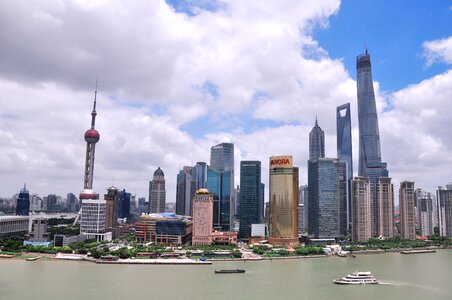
column 250, row 196
column 327, row 195
column 72, row 202
column 303, row 209
column 52, row 202
column 199, row 175
column 219, row 184
column 222, row 160
column 123, row 204
column 93, row 211
column 444, row 198
column 316, row 142
column 185, row 189
column 370, row 164
column 344, row 148
column 222, row 157
column 157, row 192
column 262, row 203
column 361, row 209
column 425, row 213
column 283, row 201
column 407, row 210
column 202, row 217
column 111, row 217
column 23, row 202
column 385, row 207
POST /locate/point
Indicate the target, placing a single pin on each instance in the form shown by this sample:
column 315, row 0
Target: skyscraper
column 283, row 201
column 222, row 157
column 444, row 198
column 303, row 209
column 157, row 192
column 327, row 194
column 222, row 163
column 344, row 148
column 185, row 189
column 219, row 184
column 250, row 196
column 93, row 211
column 123, row 206
column 385, row 207
column 23, row 202
column 316, row 142
column 262, row 203
column 425, row 214
column 361, row 209
column 407, row 210
column 370, row 164
column 111, row 197
column 202, row 218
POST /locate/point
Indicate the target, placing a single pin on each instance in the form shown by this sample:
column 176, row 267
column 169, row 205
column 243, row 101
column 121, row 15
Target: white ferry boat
column 357, row 278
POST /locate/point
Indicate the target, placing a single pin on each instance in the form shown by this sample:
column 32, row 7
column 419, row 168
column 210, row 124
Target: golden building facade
column 283, row 201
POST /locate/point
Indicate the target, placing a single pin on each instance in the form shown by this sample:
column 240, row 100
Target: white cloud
column 260, row 59
column 438, row 51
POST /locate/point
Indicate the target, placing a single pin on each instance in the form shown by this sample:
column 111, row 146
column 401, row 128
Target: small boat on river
column 357, row 278
column 229, row 271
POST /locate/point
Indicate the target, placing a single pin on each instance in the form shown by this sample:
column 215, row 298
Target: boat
column 229, row 271
column 342, row 253
column 418, row 251
column 357, row 278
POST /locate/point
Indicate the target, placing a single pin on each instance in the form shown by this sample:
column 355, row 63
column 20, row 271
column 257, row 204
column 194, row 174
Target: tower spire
column 93, row 113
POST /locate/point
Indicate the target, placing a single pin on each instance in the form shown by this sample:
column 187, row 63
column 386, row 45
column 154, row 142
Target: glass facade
column 23, row 203
column 326, row 177
column 283, row 201
column 250, row 196
column 123, row 204
column 344, row 148
column 444, row 198
column 370, row 164
column 218, row 183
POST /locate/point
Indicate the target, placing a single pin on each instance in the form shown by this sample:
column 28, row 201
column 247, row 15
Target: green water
column 416, row 276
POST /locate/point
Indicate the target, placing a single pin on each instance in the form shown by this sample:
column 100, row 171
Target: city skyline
column 163, row 114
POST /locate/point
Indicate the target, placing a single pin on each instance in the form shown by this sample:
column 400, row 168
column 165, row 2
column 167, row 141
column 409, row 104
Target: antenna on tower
column 365, row 45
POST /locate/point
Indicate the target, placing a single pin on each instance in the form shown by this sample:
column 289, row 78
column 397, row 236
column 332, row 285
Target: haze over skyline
column 178, row 77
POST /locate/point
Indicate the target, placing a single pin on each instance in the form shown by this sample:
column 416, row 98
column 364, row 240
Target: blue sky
column 176, row 79
column 394, row 32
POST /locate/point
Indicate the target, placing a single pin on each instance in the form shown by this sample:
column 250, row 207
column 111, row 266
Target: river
column 414, row 276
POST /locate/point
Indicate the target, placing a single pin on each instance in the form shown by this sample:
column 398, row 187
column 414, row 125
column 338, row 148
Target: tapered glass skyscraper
column 344, row 152
column 370, row 164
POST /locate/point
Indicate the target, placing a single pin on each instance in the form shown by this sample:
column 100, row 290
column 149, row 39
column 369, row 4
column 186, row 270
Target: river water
column 415, row 276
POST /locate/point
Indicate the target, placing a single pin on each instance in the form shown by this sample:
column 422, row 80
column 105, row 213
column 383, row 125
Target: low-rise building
column 13, row 226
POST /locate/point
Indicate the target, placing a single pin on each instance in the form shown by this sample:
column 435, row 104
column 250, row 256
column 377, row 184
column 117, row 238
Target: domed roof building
column 157, row 192
column 159, row 173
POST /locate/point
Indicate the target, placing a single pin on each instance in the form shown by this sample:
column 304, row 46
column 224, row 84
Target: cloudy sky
column 176, row 77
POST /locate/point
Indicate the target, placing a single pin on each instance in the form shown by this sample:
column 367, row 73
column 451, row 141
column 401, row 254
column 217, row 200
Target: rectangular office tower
column 283, row 201
column 219, row 184
column 344, row 148
column 407, row 211
column 361, row 209
column 250, row 196
column 222, row 162
column 444, row 198
column 327, row 195
column 385, row 207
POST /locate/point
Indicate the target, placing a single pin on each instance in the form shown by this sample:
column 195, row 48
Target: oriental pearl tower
column 92, row 136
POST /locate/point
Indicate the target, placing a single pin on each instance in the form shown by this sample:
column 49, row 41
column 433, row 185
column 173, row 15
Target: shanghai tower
column 369, row 164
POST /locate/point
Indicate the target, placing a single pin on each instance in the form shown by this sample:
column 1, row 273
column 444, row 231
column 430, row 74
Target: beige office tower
column 385, row 207
column 407, row 211
column 283, row 202
column 361, row 209
column 202, row 217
